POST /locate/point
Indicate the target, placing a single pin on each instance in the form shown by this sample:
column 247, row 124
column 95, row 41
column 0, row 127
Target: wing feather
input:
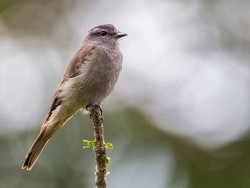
column 73, row 70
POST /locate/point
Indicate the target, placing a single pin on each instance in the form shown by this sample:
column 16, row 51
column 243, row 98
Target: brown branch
column 99, row 148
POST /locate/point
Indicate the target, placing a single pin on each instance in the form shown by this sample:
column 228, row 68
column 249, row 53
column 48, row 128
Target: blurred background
column 179, row 116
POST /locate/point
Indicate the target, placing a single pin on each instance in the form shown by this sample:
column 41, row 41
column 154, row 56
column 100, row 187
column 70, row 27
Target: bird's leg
column 98, row 109
column 94, row 108
column 89, row 107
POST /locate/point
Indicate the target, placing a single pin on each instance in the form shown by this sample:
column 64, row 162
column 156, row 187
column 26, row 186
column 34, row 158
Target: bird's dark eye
column 103, row 33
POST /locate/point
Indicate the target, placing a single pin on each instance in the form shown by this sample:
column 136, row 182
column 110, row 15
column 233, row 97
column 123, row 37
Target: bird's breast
column 101, row 73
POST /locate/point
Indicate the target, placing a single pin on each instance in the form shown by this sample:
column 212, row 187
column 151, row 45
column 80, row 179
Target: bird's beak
column 120, row 35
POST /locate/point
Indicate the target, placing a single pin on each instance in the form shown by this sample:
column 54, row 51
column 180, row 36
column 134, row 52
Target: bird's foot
column 94, row 108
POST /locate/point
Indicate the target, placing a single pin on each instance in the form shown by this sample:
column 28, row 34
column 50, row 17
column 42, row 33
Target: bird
column 89, row 78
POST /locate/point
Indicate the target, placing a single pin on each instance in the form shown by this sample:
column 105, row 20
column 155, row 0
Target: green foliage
column 107, row 173
column 88, row 143
column 107, row 161
column 91, row 143
column 109, row 145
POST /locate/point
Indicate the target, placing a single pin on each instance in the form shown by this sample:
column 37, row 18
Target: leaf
column 107, row 161
column 88, row 143
column 109, row 145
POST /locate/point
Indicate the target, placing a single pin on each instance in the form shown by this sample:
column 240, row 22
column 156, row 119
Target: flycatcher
column 89, row 78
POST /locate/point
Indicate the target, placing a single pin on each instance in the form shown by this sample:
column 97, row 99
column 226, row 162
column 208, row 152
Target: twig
column 99, row 147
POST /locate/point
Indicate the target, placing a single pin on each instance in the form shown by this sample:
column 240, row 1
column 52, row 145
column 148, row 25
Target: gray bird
column 89, row 78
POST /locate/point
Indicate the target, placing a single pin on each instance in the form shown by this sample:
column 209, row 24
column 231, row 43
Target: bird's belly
column 100, row 86
column 91, row 88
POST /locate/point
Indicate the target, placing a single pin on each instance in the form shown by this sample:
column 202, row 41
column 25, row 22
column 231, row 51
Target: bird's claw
column 94, row 108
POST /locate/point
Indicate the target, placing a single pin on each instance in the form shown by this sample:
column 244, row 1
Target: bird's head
column 107, row 34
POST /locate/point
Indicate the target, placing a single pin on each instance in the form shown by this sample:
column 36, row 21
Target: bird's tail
column 50, row 126
column 36, row 149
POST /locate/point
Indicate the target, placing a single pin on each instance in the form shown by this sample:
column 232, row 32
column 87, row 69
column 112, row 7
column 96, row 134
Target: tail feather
column 35, row 150
column 49, row 127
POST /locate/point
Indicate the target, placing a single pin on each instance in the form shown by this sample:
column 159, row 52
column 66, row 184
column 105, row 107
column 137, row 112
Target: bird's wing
column 75, row 66
column 72, row 71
